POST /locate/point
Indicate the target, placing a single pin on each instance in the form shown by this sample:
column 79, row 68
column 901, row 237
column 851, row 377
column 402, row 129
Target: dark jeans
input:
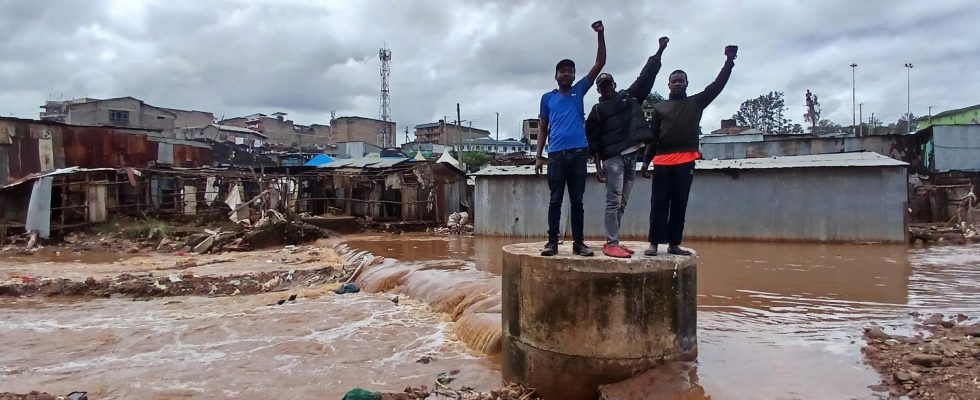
column 566, row 168
column 671, row 187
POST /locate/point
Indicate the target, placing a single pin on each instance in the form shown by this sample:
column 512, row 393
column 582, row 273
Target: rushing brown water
column 318, row 347
column 776, row 320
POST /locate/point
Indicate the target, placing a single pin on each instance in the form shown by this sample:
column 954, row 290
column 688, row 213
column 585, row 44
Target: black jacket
column 617, row 123
column 676, row 122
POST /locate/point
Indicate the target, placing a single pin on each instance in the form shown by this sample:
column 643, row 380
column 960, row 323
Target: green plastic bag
column 361, row 394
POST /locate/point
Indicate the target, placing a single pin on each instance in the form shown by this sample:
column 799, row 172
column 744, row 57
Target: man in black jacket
column 617, row 132
column 676, row 124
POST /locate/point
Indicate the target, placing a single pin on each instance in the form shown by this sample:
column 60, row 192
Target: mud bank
column 28, row 396
column 150, row 285
column 941, row 360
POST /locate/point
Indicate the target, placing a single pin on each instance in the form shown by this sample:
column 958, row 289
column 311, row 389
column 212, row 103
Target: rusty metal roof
column 836, row 160
column 60, row 171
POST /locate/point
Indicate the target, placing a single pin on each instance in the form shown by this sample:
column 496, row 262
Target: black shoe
column 580, row 249
column 550, row 249
column 651, row 251
column 678, row 251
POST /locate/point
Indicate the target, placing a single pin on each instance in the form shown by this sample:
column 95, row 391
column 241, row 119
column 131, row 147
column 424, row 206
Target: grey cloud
column 309, row 58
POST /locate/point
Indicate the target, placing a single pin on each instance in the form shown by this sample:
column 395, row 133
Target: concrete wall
column 899, row 147
column 956, row 147
column 141, row 116
column 355, row 129
column 192, row 119
column 795, row 204
column 284, row 132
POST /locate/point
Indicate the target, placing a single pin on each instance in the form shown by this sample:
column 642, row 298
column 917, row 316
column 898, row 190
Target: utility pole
column 498, row 126
column 872, row 123
column 930, row 115
column 861, row 118
column 853, row 98
column 458, row 127
column 908, row 114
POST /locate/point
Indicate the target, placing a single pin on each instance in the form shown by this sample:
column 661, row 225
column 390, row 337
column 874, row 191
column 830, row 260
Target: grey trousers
column 620, row 174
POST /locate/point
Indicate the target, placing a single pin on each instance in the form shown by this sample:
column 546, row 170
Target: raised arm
column 644, row 83
column 714, row 89
column 600, row 56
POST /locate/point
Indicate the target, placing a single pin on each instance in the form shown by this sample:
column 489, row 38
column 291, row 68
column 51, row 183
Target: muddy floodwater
column 778, row 320
column 775, row 321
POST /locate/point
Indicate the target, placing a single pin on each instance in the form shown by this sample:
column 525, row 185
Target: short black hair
column 678, row 71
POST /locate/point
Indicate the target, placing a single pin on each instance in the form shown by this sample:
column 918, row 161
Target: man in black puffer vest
column 676, row 123
column 617, row 133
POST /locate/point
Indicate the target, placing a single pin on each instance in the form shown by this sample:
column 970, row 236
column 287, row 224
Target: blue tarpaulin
column 319, row 160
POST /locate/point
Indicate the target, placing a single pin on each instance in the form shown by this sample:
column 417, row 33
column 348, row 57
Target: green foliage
column 765, row 113
column 475, row 160
column 653, row 98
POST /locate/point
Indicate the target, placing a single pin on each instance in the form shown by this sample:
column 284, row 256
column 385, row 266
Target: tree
column 902, row 126
column 813, row 109
column 474, row 160
column 794, row 128
column 826, row 127
column 764, row 113
column 652, row 98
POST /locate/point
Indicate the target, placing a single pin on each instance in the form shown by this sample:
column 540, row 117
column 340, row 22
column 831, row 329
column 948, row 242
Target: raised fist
column 663, row 41
column 597, row 26
column 731, row 51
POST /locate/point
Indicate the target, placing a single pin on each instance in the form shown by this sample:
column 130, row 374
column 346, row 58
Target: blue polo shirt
column 566, row 116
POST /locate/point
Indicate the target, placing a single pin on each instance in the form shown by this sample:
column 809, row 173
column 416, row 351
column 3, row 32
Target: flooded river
column 775, row 321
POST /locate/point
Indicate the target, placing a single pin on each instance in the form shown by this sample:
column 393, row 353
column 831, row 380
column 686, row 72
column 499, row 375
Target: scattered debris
column 29, row 396
column 939, row 362
column 458, row 225
column 145, row 285
column 961, row 233
column 347, row 288
column 510, row 392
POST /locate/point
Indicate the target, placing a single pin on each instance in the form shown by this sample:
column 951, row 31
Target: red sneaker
column 615, row 251
column 628, row 250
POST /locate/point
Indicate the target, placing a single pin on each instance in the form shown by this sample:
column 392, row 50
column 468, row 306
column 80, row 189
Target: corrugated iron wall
column 900, row 147
column 37, row 146
column 799, row 204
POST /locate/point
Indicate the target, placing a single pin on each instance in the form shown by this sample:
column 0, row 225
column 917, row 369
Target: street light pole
column 908, row 113
column 853, row 99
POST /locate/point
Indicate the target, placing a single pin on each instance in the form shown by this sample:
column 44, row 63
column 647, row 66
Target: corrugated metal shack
column 30, row 146
column 394, row 190
column 386, row 189
column 844, row 197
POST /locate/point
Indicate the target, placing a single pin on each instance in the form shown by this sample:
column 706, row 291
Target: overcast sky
column 307, row 58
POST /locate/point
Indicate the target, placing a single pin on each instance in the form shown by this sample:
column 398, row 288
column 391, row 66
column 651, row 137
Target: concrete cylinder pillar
column 573, row 323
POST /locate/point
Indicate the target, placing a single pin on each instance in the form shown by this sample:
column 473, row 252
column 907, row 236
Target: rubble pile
column 29, row 396
column 459, row 224
column 941, row 361
column 511, row 392
column 961, row 233
column 151, row 285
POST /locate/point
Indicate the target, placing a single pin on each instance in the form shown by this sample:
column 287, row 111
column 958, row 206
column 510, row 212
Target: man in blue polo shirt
column 563, row 126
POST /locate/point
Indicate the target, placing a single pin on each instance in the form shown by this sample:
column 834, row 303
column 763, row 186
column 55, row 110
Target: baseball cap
column 563, row 63
column 604, row 77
